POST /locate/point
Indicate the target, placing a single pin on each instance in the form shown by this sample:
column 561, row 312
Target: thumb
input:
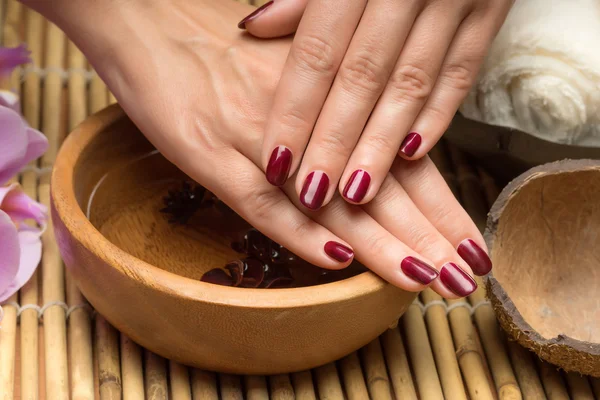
column 274, row 19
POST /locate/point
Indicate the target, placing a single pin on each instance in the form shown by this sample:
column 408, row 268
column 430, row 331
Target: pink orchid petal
column 19, row 206
column 37, row 145
column 13, row 143
column 10, row 58
column 10, row 100
column 10, row 254
column 31, row 254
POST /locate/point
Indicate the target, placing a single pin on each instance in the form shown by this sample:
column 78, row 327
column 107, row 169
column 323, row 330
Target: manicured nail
column 338, row 251
column 279, row 166
column 410, row 144
column 357, row 186
column 314, row 190
column 475, row 256
column 418, row 270
column 254, row 14
column 457, row 280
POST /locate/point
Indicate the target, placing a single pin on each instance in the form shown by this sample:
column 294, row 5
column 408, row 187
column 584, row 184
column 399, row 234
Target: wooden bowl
column 151, row 290
column 544, row 234
column 506, row 152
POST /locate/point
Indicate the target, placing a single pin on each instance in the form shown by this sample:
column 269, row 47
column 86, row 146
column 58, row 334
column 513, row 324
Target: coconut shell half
column 543, row 233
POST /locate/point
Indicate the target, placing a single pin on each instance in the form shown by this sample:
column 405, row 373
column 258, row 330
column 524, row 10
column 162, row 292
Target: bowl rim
column 66, row 208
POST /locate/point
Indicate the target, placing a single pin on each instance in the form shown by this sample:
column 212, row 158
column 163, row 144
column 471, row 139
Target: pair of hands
column 202, row 94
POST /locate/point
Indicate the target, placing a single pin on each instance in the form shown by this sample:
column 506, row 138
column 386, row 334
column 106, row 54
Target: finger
column 318, row 48
column 460, row 68
column 409, row 86
column 366, row 67
column 241, row 185
column 420, row 178
column 397, row 213
column 274, row 18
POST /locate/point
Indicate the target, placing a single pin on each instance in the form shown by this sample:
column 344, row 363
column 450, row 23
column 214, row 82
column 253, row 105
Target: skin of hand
column 365, row 81
column 200, row 91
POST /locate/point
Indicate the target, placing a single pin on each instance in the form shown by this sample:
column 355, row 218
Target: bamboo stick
column 179, row 382
column 397, row 363
column 131, row 369
column 421, row 356
column 469, row 358
column 529, row 381
column 442, row 346
column 8, row 336
column 231, row 387
column 204, row 385
column 2, row 7
column 304, row 388
column 155, row 378
column 579, row 387
column 281, row 387
column 495, row 350
column 256, row 387
column 55, row 331
column 553, row 382
column 12, row 36
column 595, row 382
column 111, row 98
column 107, row 353
column 352, row 377
column 376, row 376
column 328, row 382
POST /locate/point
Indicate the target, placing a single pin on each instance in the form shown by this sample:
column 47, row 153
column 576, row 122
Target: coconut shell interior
column 544, row 235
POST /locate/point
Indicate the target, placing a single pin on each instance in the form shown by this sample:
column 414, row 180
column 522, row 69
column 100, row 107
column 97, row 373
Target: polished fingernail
column 357, row 186
column 279, row 166
column 338, row 251
column 418, row 270
column 314, row 190
column 254, row 14
column 475, row 256
column 457, row 280
column 410, row 144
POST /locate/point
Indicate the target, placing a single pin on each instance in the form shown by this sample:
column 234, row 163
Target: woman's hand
column 201, row 93
column 367, row 80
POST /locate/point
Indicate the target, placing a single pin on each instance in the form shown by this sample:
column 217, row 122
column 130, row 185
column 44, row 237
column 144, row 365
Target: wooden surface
column 439, row 349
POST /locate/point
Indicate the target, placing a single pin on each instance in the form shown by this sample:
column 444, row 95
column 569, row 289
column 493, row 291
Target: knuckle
column 335, row 143
column 262, row 202
column 294, row 119
column 410, row 82
column 443, row 215
column 380, row 141
column 376, row 243
column 423, row 240
column 458, row 77
column 314, row 54
column 388, row 192
column 300, row 229
column 361, row 73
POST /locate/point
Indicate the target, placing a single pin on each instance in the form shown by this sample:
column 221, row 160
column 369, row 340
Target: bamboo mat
column 54, row 346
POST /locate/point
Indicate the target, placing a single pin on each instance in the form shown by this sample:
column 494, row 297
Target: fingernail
column 338, row 251
column 475, row 256
column 254, row 14
column 279, row 166
column 314, row 190
column 410, row 144
column 357, row 186
column 418, row 270
column 457, row 280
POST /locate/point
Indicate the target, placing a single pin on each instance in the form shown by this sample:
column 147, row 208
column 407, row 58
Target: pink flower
column 20, row 242
column 10, row 58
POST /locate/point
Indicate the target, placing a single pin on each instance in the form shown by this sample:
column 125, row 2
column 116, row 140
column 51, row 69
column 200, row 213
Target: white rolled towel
column 542, row 73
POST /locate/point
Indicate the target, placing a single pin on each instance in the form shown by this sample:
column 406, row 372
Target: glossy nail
column 254, row 14
column 357, row 186
column 279, row 166
column 418, row 270
column 410, row 144
column 314, row 190
column 457, row 280
column 338, row 251
column 475, row 256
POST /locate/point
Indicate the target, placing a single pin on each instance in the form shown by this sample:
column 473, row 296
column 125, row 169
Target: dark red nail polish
column 279, row 166
column 457, row 280
column 254, row 14
column 314, row 190
column 338, row 251
column 475, row 256
column 357, row 186
column 418, row 270
column 410, row 144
